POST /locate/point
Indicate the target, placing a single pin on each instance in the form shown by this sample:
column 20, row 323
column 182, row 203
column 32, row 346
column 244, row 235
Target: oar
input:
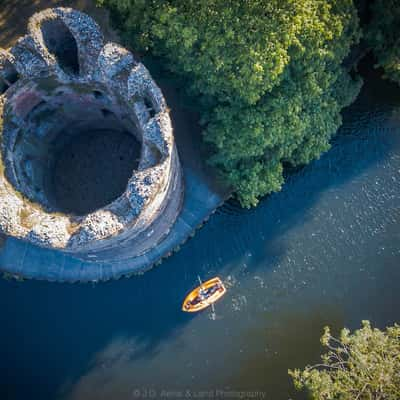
column 201, row 283
column 213, row 313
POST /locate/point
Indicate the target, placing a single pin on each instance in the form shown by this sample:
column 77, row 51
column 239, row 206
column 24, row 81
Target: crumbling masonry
column 59, row 82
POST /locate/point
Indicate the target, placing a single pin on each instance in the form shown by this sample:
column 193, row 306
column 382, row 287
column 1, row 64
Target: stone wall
column 57, row 83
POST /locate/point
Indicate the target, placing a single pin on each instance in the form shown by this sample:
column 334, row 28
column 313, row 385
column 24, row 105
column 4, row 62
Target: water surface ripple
column 325, row 250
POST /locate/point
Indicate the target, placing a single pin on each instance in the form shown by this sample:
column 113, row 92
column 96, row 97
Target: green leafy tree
column 384, row 36
column 267, row 76
column 364, row 365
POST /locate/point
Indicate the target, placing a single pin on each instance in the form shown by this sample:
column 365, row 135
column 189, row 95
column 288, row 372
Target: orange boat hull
column 190, row 305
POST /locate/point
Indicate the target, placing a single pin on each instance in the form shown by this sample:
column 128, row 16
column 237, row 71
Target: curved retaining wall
column 22, row 259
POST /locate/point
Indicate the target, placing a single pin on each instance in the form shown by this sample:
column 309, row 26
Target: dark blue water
column 325, row 250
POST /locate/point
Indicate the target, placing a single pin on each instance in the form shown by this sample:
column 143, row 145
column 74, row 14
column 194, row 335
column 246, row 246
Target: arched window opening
column 61, row 43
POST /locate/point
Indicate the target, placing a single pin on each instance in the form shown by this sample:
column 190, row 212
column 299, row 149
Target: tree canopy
column 364, row 365
column 384, row 36
column 267, row 76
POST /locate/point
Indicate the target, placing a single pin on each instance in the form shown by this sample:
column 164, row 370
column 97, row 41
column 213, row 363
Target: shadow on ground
column 14, row 15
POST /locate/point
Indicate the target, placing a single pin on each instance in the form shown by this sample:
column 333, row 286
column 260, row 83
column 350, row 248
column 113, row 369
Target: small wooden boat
column 204, row 296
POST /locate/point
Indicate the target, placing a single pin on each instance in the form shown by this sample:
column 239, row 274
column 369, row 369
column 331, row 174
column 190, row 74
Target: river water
column 325, row 250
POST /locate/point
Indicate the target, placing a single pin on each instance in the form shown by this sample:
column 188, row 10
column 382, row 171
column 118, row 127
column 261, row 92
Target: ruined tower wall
column 58, row 82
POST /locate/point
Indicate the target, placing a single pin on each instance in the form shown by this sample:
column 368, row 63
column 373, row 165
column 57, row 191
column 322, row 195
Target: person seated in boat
column 210, row 291
column 205, row 293
column 214, row 289
column 196, row 300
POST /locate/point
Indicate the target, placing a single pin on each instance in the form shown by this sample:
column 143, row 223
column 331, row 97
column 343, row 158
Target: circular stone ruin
column 87, row 150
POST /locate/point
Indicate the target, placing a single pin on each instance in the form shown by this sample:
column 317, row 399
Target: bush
column 384, row 36
column 364, row 365
column 266, row 74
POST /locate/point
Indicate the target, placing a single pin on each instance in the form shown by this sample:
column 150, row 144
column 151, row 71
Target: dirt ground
column 14, row 15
